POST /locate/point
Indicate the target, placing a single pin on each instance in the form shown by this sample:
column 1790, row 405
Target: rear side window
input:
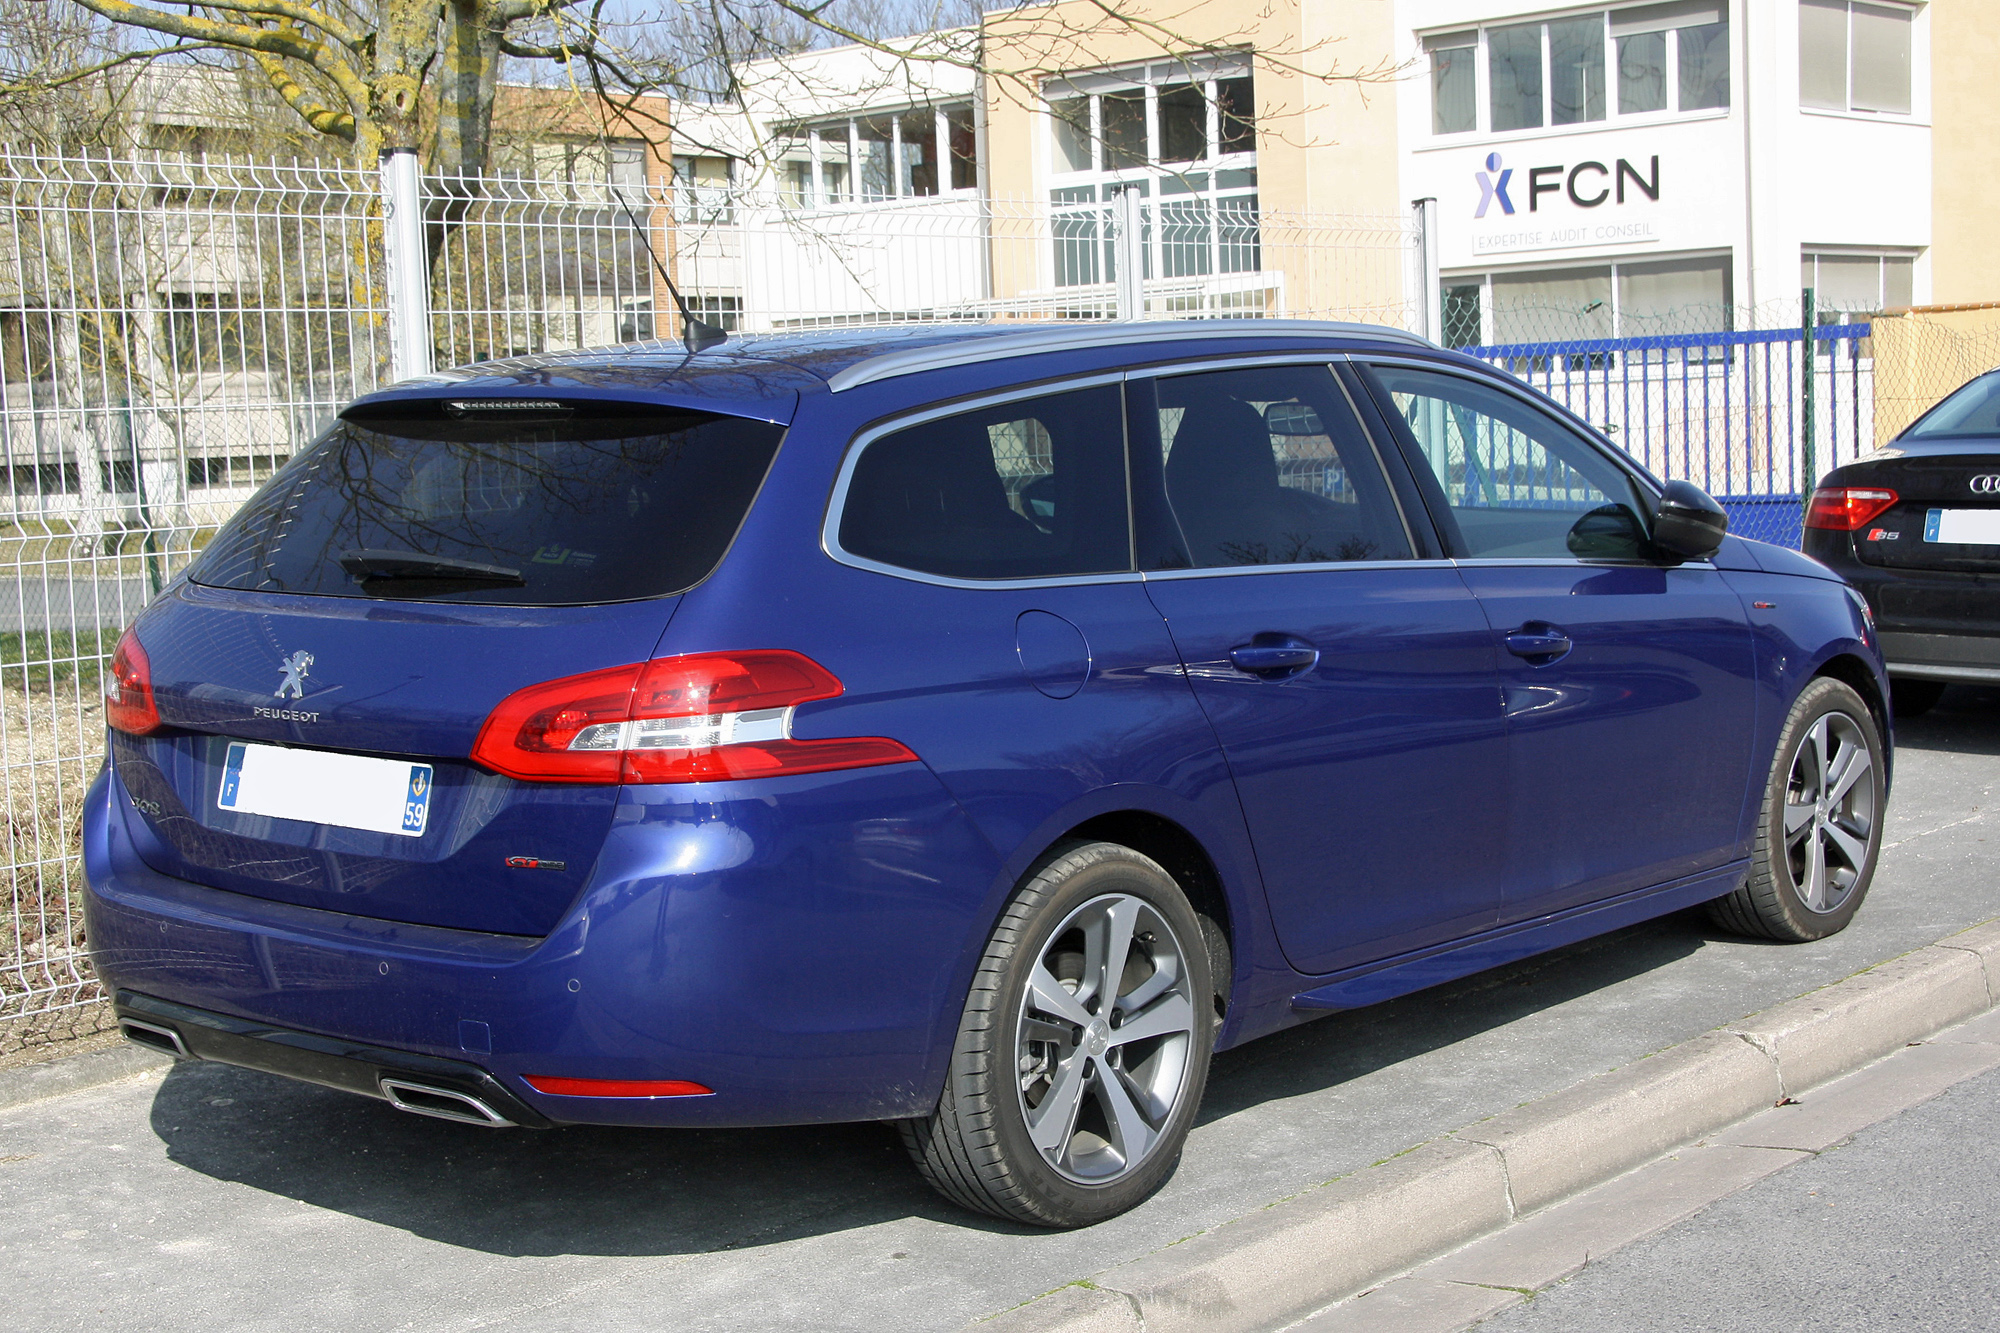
column 550, row 506
column 1033, row 488
column 1268, row 467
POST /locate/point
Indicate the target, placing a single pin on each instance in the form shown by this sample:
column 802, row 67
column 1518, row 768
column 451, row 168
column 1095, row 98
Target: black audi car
column 1915, row 526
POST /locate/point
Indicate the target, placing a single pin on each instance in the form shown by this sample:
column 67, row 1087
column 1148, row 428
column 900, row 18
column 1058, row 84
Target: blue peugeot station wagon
column 971, row 728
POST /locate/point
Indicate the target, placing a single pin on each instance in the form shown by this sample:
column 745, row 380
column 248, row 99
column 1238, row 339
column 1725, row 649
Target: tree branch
column 336, row 124
column 306, row 15
column 39, row 85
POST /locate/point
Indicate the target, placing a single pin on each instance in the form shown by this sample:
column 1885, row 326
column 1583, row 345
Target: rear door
column 376, row 599
column 1629, row 686
column 1346, row 669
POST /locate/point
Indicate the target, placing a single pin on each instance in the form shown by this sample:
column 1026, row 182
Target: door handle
column 1540, row 644
column 1274, row 656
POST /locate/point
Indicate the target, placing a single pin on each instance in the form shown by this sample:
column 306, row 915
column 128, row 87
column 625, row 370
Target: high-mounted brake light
column 702, row 717
column 617, row 1087
column 1845, row 508
column 128, row 689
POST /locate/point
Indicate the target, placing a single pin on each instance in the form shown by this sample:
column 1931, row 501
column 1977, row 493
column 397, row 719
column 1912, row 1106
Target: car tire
column 1046, row 1100
column 1911, row 697
column 1820, row 827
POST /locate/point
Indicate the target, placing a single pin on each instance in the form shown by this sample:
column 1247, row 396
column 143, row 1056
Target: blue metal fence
column 1723, row 410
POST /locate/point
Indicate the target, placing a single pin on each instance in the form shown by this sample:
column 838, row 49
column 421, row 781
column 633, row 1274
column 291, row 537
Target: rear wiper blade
column 412, row 565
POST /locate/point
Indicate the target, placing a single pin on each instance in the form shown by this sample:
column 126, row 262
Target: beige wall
column 1326, row 140
column 1923, row 354
column 1965, row 150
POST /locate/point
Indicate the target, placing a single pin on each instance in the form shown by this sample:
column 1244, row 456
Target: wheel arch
column 1183, row 857
column 1851, row 670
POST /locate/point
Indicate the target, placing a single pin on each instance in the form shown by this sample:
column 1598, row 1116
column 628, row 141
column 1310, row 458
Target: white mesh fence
column 172, row 329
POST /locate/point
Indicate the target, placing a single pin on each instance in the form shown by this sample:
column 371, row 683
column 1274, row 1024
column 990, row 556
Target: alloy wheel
column 1830, row 812
column 1104, row 1037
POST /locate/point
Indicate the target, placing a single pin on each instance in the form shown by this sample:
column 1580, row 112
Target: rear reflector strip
column 616, row 1087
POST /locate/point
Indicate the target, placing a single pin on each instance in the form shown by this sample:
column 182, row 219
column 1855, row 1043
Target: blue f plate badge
column 321, row 787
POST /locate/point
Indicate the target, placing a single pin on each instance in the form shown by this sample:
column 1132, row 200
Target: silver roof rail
column 1068, row 337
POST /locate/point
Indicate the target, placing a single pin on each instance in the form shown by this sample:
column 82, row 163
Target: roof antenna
column 698, row 334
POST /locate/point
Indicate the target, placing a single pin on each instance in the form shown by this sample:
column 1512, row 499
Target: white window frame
column 1918, row 74
column 1484, row 281
column 813, row 133
column 1482, row 90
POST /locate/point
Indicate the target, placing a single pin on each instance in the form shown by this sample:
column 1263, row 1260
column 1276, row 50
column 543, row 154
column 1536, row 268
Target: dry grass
column 51, row 739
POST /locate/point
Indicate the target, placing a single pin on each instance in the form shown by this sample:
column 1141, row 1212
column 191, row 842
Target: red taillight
column 703, row 717
column 1845, row 508
column 128, row 689
column 616, row 1087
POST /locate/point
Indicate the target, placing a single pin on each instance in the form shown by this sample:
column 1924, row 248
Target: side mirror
column 1687, row 522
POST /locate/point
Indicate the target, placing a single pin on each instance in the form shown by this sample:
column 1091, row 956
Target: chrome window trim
column 1568, row 562
column 1320, row 566
column 1176, row 369
column 829, row 532
column 970, row 351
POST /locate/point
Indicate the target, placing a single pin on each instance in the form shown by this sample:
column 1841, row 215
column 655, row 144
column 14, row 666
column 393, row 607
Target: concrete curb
column 1283, row 1262
column 73, row 1073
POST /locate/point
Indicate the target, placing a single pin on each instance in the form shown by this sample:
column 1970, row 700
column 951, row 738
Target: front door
column 1630, row 685
column 1350, row 680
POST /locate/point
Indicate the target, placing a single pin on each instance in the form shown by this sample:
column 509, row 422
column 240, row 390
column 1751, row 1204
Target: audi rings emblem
column 1986, row 483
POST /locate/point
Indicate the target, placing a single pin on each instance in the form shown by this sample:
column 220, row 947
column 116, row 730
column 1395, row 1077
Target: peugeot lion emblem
column 294, row 682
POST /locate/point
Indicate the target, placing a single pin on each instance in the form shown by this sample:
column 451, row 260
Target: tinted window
column 1972, row 410
column 1517, row 482
column 1267, row 467
column 577, row 505
column 1029, row 489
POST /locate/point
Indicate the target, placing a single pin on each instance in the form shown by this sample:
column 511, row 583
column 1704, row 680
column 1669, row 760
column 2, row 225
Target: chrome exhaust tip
column 154, row 1035
column 442, row 1103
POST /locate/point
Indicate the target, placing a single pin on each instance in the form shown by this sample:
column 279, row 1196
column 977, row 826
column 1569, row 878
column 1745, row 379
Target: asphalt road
column 215, row 1198
column 1897, row 1229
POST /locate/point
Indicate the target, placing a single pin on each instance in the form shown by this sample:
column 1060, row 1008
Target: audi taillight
column 128, row 689
column 702, row 717
column 1845, row 508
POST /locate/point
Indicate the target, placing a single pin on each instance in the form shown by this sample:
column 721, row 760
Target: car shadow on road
column 1966, row 720
column 629, row 1192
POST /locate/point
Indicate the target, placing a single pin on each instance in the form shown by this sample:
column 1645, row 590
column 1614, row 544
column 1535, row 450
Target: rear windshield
column 548, row 505
column 1973, row 410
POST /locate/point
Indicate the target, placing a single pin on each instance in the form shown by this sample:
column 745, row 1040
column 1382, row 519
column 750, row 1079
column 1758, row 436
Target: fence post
column 1808, row 386
column 1127, row 251
column 409, row 266
column 1428, row 307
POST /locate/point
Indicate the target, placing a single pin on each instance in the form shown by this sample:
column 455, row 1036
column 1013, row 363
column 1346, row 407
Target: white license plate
column 345, row 790
column 1963, row 527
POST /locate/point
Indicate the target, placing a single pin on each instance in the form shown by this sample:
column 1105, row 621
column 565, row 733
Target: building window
column 1854, row 56
column 1454, row 91
column 915, row 154
column 1578, row 70
column 1621, row 299
column 703, row 190
column 1851, row 284
column 1143, row 121
column 1184, row 139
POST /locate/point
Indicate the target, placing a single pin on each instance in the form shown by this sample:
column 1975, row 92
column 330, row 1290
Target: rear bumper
column 1934, row 624
column 458, row 1090
column 801, row 946
column 1960, row 657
